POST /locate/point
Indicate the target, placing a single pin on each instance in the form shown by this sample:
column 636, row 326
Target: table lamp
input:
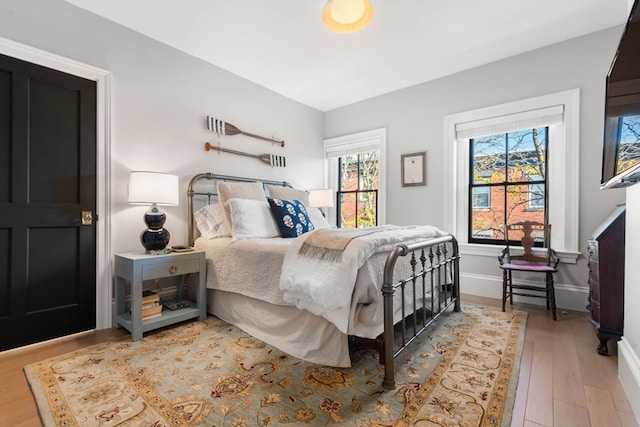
column 322, row 198
column 155, row 189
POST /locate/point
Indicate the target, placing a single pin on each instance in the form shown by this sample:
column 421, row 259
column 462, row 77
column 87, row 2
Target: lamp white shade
column 146, row 188
column 321, row 198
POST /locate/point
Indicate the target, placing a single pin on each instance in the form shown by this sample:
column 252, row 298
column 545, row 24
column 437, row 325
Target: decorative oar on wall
column 223, row 128
column 270, row 159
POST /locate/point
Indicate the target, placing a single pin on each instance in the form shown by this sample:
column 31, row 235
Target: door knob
column 87, row 217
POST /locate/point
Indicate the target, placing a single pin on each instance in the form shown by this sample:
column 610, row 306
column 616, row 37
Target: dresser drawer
column 168, row 269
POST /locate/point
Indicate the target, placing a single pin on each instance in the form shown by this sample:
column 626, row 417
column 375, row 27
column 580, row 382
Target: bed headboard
column 207, row 193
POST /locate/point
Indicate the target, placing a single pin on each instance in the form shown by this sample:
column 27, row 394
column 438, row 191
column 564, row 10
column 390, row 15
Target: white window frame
column 375, row 139
column 563, row 170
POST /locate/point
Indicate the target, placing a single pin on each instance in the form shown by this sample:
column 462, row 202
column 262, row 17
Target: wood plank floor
column 563, row 381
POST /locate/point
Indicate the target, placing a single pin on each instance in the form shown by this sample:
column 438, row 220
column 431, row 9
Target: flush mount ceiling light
column 347, row 16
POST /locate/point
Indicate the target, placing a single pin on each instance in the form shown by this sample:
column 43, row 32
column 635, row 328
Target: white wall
column 160, row 97
column 414, row 118
column 629, row 347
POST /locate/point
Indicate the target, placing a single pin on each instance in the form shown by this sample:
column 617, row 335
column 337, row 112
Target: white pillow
column 251, row 219
column 317, row 219
column 211, row 222
column 238, row 190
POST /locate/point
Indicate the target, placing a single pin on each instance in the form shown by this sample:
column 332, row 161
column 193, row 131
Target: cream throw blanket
column 320, row 276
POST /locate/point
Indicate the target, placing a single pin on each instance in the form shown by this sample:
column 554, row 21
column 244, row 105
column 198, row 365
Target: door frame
column 102, row 78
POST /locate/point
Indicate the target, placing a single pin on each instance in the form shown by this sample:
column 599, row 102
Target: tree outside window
column 629, row 148
column 507, row 182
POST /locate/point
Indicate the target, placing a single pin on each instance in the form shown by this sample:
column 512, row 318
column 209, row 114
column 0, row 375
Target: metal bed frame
column 434, row 268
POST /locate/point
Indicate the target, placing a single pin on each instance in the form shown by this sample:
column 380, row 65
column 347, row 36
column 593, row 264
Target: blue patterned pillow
column 291, row 217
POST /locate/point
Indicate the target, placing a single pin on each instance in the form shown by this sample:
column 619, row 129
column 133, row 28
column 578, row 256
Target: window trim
column 563, row 189
column 367, row 140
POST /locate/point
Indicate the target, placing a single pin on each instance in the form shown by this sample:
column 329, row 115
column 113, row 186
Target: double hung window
column 356, row 171
column 512, row 162
column 358, row 190
column 506, row 182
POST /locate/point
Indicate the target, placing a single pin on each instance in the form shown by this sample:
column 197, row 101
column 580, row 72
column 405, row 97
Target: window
column 629, row 137
column 555, row 192
column 358, row 190
column 506, row 179
column 355, row 168
column 481, row 197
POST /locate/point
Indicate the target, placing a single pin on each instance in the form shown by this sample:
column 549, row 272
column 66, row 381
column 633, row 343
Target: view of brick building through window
column 358, row 190
column 507, row 182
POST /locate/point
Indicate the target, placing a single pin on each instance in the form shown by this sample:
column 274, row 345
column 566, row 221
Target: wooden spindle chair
column 524, row 259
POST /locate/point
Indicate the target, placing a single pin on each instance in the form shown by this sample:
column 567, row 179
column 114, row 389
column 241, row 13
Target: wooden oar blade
column 273, row 160
column 278, row 161
column 230, row 129
column 223, row 128
column 270, row 159
column 215, row 125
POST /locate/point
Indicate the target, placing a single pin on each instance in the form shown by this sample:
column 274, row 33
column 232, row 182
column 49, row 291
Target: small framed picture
column 414, row 170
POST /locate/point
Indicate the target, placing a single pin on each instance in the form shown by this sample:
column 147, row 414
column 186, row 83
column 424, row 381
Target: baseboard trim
column 568, row 297
column 629, row 375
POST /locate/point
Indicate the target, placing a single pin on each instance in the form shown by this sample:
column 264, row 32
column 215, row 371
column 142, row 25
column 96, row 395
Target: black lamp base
column 154, row 238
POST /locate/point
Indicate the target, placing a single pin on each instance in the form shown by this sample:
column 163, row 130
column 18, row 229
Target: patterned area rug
column 462, row 372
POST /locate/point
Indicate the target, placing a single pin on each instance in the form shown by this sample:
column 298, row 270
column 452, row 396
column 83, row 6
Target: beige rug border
column 47, row 418
column 40, row 396
column 519, row 325
column 38, row 387
column 515, row 372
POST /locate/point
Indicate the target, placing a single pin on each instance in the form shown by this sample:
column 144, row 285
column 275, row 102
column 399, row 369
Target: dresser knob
column 173, row 269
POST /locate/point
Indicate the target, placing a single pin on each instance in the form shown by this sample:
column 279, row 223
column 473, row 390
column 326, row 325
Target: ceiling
column 282, row 44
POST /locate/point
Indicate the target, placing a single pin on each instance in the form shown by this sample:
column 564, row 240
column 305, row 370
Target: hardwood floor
column 563, row 382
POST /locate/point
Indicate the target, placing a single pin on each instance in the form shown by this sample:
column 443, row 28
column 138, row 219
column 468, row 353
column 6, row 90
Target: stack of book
column 151, row 306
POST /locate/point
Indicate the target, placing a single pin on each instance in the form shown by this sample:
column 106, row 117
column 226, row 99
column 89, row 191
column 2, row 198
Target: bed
column 314, row 294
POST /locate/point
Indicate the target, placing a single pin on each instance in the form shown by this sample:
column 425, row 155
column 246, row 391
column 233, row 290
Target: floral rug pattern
column 461, row 371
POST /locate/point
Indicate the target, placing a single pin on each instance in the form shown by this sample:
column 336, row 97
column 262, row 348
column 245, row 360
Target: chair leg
column 504, row 288
column 551, row 295
column 510, row 288
column 548, row 292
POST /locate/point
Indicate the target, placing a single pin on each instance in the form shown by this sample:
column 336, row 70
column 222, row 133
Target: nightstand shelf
column 136, row 268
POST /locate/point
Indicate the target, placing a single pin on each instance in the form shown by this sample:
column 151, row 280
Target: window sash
column 503, row 151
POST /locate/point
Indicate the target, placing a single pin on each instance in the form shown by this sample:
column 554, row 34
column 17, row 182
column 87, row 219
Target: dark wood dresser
column 606, row 278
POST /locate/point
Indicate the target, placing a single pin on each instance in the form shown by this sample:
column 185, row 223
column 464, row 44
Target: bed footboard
column 434, row 272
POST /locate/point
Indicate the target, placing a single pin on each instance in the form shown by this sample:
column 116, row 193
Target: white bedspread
column 328, row 288
column 249, row 267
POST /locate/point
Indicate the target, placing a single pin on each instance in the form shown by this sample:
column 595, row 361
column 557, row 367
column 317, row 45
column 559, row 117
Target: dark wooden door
column 47, row 179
